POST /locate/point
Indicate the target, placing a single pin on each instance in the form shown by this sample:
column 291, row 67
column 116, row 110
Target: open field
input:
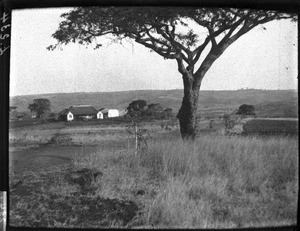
column 89, row 175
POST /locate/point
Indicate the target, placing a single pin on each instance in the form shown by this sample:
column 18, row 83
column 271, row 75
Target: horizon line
column 91, row 92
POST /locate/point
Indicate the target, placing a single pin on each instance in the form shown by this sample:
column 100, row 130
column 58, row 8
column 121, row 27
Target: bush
column 246, row 110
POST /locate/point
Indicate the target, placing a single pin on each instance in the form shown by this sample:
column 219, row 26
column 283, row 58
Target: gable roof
column 80, row 110
column 103, row 110
column 64, row 111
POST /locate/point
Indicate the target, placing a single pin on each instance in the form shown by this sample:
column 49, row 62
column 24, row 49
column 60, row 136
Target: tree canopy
column 40, row 106
column 246, row 109
column 154, row 110
column 136, row 107
column 165, row 30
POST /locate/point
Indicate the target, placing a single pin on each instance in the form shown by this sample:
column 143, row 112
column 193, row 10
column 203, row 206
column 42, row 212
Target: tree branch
column 158, row 50
column 175, row 43
column 212, row 37
column 177, row 46
column 198, row 51
column 181, row 67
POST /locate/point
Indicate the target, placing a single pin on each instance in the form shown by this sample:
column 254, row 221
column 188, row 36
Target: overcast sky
column 261, row 59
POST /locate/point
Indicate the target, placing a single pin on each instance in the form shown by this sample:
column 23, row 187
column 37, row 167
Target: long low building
column 86, row 112
column 80, row 112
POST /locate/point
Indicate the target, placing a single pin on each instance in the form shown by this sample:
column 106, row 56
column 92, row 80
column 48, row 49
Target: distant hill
column 210, row 102
column 280, row 109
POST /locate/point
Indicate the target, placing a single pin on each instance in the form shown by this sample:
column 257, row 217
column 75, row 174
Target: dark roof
column 80, row 110
column 103, row 110
column 64, row 112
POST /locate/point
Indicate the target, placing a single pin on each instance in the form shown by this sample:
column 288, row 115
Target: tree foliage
column 154, row 110
column 40, row 106
column 136, row 107
column 165, row 30
column 168, row 113
column 246, row 109
column 155, row 107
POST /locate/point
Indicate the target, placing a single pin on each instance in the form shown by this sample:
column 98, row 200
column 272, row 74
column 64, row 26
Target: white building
column 70, row 116
column 113, row 113
column 100, row 115
column 108, row 113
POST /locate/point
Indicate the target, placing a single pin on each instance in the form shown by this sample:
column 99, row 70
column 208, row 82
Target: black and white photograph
column 154, row 117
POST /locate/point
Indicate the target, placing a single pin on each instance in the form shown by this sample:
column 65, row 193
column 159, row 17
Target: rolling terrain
column 268, row 103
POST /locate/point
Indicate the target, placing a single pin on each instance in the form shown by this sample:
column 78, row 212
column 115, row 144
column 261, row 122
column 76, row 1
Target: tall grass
column 219, row 181
column 215, row 182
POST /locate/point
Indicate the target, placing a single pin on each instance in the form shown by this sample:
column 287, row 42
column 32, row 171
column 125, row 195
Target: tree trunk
column 187, row 114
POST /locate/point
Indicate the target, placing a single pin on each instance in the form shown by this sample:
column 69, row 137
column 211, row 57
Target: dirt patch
column 33, row 204
column 80, row 211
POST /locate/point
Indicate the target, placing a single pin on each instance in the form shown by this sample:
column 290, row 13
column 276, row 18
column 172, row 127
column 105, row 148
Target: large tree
column 40, row 106
column 168, row 32
column 136, row 107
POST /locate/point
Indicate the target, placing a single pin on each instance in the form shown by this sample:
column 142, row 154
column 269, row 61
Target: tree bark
column 187, row 114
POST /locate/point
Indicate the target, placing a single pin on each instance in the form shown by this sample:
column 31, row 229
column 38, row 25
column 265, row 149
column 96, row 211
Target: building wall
column 70, row 116
column 113, row 113
column 100, row 115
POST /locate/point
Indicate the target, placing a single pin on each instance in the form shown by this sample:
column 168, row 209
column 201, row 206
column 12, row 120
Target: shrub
column 246, row 110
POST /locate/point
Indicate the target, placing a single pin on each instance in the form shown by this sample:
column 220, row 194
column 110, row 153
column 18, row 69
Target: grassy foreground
column 215, row 182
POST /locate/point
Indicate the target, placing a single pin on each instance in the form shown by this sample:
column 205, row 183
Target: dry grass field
column 218, row 181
